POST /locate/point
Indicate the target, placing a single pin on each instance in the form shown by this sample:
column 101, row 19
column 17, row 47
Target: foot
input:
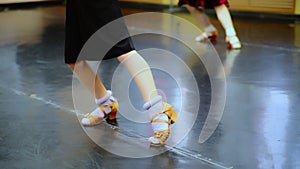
column 161, row 122
column 233, row 42
column 106, row 111
column 212, row 36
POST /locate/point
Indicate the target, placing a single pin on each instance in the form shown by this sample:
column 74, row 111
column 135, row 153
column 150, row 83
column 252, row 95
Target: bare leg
column 200, row 16
column 226, row 21
column 210, row 32
column 141, row 73
column 89, row 78
column 103, row 98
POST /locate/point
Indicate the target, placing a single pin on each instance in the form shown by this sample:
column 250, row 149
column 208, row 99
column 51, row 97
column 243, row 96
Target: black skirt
column 83, row 19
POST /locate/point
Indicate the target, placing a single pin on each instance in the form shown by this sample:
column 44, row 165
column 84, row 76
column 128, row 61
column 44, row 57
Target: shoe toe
column 154, row 140
column 198, row 38
column 85, row 121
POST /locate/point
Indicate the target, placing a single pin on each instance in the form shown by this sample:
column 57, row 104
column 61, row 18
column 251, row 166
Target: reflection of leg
column 107, row 105
column 229, row 62
column 226, row 21
column 210, row 32
column 142, row 75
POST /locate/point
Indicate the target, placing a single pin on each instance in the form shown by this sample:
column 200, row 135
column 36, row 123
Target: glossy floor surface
column 258, row 129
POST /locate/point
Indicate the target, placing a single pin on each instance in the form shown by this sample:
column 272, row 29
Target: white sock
column 159, row 126
column 210, row 28
column 98, row 112
column 106, row 100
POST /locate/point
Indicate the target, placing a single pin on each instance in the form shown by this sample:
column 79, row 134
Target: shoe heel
column 214, row 36
column 112, row 116
column 170, row 112
column 114, row 109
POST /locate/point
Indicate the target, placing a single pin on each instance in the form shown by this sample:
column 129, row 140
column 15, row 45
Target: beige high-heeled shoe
column 212, row 36
column 109, row 117
column 163, row 135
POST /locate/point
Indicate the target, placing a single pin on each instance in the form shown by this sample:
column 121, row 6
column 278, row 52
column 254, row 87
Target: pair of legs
column 210, row 31
column 107, row 105
column 137, row 67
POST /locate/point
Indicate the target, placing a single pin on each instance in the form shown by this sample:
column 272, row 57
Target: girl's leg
column 209, row 28
column 226, row 21
column 103, row 98
column 200, row 16
column 88, row 78
column 142, row 75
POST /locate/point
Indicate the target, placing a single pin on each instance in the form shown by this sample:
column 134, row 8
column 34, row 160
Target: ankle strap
column 152, row 102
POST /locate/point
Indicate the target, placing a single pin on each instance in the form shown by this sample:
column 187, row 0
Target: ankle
column 210, row 28
column 103, row 102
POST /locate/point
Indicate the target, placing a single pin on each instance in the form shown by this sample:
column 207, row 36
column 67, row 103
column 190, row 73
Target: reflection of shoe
column 228, row 63
column 233, row 42
column 160, row 137
column 212, row 36
column 110, row 115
